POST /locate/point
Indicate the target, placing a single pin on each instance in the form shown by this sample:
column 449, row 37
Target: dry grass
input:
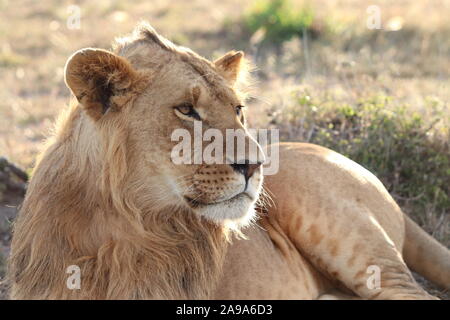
column 345, row 63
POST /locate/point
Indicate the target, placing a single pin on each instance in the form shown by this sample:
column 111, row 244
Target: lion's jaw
column 220, row 202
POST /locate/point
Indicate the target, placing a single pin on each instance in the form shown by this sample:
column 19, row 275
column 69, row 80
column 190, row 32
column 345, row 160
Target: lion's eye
column 239, row 110
column 187, row 109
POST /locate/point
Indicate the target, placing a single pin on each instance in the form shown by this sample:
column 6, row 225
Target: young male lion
column 107, row 201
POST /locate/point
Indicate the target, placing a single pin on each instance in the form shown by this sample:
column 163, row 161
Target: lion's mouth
column 193, row 203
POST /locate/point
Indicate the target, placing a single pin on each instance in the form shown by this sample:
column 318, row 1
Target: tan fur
column 425, row 255
column 105, row 196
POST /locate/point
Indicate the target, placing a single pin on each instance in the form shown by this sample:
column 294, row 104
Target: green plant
column 278, row 19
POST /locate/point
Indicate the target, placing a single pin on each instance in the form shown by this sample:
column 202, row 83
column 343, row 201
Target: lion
column 107, row 201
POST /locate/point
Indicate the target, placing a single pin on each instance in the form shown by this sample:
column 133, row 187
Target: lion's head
column 137, row 97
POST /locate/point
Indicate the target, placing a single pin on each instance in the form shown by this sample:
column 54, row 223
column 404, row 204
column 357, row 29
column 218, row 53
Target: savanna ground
column 379, row 96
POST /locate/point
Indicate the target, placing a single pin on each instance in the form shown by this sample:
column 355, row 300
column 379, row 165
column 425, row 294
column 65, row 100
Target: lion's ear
column 100, row 80
column 230, row 65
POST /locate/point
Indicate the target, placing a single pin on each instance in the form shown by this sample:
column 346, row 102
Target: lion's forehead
column 182, row 66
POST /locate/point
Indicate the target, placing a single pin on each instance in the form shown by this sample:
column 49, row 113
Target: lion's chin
column 239, row 210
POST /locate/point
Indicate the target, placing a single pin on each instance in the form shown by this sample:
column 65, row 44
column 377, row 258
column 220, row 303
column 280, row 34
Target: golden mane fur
column 84, row 204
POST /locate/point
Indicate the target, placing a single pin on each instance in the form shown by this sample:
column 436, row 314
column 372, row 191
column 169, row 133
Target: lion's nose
column 247, row 168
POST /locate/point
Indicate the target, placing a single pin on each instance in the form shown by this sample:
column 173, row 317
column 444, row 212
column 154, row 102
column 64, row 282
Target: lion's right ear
column 231, row 65
column 101, row 81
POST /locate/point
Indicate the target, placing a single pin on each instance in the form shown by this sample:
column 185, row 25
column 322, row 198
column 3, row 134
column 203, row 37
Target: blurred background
column 369, row 79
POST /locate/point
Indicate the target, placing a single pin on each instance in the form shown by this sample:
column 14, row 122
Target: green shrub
column 278, row 19
column 409, row 154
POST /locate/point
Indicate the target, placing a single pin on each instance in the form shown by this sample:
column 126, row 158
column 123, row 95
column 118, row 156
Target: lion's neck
column 123, row 250
column 185, row 254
